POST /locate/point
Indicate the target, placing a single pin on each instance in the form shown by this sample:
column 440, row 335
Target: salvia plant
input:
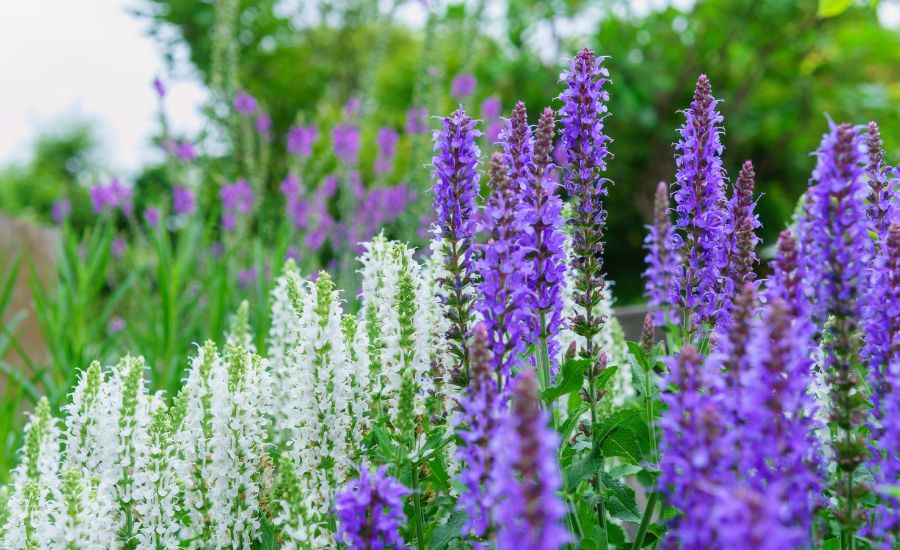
column 482, row 394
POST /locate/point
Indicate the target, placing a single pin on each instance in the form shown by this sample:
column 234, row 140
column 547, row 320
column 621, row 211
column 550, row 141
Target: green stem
column 645, row 520
column 544, row 366
column 417, row 503
column 648, row 403
column 601, row 512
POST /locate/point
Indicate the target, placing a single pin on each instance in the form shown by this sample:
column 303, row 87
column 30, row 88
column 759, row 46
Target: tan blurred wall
column 37, row 247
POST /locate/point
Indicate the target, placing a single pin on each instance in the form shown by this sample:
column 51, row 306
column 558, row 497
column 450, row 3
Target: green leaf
column 609, row 424
column 267, row 540
column 622, row 442
column 438, row 476
column 565, row 431
column 582, row 470
column 655, row 532
column 572, row 379
column 614, row 534
column 638, row 353
column 831, row 8
column 832, row 544
column 605, row 377
column 619, row 499
column 445, row 533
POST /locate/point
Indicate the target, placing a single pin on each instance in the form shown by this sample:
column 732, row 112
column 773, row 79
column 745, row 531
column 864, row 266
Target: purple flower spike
column 662, row 257
column 345, row 140
column 369, row 511
column 300, row 140
column 478, row 426
column 183, row 201
column 463, row 86
column 881, row 323
column 151, row 216
column 416, row 121
column 527, row 479
column 505, row 299
column 490, row 108
column 237, row 197
column 543, row 235
column 264, row 125
column 585, row 145
column 700, row 211
column 387, row 139
column 455, row 187
column 880, row 193
column 244, row 103
column 62, row 208
column 744, row 222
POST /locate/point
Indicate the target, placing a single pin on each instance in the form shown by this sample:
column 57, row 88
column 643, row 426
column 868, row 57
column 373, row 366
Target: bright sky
column 84, row 59
column 91, row 59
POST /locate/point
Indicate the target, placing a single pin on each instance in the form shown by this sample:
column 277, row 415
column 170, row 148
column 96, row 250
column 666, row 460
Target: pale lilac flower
column 387, row 139
column 237, row 197
column 116, row 324
column 151, row 216
column 62, row 208
column 300, row 140
column 416, row 121
column 117, row 247
column 183, row 201
column 463, row 86
column 159, row 87
column 345, row 140
column 247, row 277
column 264, row 125
column 244, row 103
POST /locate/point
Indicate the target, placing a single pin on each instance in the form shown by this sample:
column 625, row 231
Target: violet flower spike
column 880, row 197
column 386, row 139
column 662, row 257
column 585, row 145
column 369, row 511
column 701, row 216
column 455, row 187
column 504, row 297
column 527, row 479
column 478, row 428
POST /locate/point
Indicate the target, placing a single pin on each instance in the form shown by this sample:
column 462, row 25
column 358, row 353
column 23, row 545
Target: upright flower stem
column 417, row 504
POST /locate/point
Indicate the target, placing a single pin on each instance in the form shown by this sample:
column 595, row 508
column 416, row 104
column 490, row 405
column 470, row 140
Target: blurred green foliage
column 777, row 65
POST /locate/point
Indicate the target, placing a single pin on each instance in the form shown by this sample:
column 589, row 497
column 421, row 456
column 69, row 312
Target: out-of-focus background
column 160, row 158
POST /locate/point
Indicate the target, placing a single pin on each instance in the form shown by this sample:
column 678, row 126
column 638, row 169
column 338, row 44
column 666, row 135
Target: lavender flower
column 743, row 222
column 881, row 323
column 159, row 87
column 114, row 195
column 517, row 143
column 505, row 299
column 247, row 277
column 416, row 121
column 836, row 256
column 786, row 281
column 151, row 216
column 182, row 150
column 584, row 143
column 345, row 140
column 455, row 187
column 700, row 211
column 490, row 108
column 237, row 197
column 662, row 257
column 300, row 140
column 183, row 201
column 880, row 200
column 463, row 86
column 370, row 511
column 478, row 426
column 387, row 139
column 784, row 455
column 527, row 480
column 244, row 103
column 543, row 237
column 117, row 247
column 696, row 456
column 62, row 208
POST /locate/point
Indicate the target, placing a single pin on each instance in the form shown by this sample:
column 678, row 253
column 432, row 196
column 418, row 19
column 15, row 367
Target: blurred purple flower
column 370, row 511
column 300, row 140
column 182, row 150
column 290, row 186
column 329, row 187
column 244, row 103
column 490, row 109
column 111, row 196
column 345, row 140
column 237, row 197
column 292, row 253
column 247, row 277
column 264, row 125
column 386, row 139
column 151, row 216
column 416, row 121
column 463, row 86
column 159, row 87
column 183, row 201
column 352, row 107
column 228, row 222
column 116, row 324
column 62, row 208
column 298, row 211
column 117, row 247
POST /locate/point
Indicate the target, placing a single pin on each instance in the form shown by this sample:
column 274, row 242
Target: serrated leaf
column 637, row 352
column 267, row 540
column 606, row 426
column 623, row 443
column 582, row 470
column 655, row 532
column 445, row 533
column 572, row 379
column 638, row 380
column 438, row 476
column 619, row 499
column 625, row 470
column 565, row 430
column 614, row 534
column 605, row 377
